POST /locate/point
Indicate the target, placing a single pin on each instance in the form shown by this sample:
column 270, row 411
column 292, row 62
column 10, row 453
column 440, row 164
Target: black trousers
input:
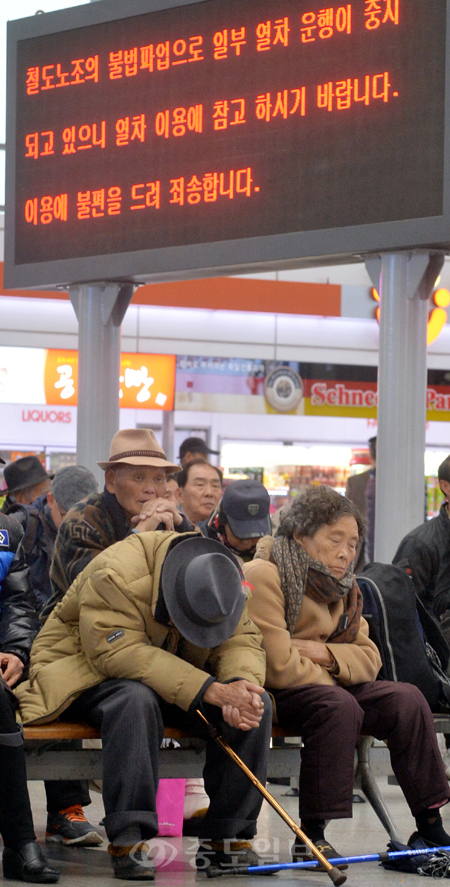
column 63, row 793
column 16, row 821
column 131, row 718
column 330, row 719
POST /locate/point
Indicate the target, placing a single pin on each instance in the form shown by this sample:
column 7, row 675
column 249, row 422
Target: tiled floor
column 174, row 856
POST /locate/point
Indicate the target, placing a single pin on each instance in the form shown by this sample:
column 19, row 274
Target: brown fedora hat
column 137, row 446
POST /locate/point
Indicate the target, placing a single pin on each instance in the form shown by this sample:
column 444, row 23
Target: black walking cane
column 336, row 876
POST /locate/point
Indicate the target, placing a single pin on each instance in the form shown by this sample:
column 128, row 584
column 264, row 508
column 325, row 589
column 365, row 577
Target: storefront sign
column 39, row 378
column 340, row 399
column 27, row 428
column 46, row 416
column 50, row 376
column 261, row 386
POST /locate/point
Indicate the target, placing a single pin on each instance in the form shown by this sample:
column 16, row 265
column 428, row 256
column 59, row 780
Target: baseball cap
column 196, row 445
column 245, row 504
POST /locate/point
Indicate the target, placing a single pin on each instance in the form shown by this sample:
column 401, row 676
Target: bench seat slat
column 70, row 730
column 67, row 730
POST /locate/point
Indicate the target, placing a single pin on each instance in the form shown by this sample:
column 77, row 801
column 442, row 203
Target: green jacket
column 105, row 627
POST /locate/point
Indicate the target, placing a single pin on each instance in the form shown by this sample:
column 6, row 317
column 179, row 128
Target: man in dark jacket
column 132, row 501
column 23, row 859
column 25, row 479
column 241, row 518
column 425, row 549
column 195, row 448
column 42, row 519
column 199, row 489
column 19, row 623
column 360, row 490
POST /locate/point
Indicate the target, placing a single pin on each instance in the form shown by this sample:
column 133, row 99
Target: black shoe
column 416, row 836
column 302, row 853
column 134, row 866
column 28, row 863
column 220, row 856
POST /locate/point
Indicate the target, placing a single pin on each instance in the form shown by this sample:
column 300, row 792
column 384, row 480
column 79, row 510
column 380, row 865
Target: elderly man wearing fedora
column 153, row 629
column 25, row 480
column 133, row 500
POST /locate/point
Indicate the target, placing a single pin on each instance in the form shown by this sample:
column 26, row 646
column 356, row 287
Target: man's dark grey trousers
column 131, row 717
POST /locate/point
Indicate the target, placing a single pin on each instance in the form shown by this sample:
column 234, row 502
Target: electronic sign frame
column 206, row 137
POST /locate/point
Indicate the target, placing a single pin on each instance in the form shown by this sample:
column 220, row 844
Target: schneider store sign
column 291, row 387
column 345, row 400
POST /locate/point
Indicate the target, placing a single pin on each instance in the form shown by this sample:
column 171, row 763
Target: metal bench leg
column 366, row 780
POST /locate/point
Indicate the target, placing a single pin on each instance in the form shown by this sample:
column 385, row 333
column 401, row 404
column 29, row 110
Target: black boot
column 26, row 862
column 16, row 821
column 23, row 859
column 431, row 829
column 131, row 863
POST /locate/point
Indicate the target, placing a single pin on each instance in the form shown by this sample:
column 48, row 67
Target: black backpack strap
column 29, row 517
column 433, row 633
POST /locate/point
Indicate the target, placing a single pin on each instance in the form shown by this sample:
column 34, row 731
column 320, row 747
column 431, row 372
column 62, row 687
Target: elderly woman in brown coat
column 322, row 669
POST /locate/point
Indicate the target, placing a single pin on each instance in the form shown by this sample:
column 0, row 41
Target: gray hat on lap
column 201, row 584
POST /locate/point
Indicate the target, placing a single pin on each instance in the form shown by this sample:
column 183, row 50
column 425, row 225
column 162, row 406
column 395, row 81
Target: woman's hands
column 316, row 651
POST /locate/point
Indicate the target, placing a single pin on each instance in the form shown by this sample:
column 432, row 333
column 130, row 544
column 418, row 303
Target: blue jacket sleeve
column 19, row 607
column 6, row 559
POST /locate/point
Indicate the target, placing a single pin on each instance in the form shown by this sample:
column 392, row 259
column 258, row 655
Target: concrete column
column 100, row 308
column 168, row 434
column 405, row 280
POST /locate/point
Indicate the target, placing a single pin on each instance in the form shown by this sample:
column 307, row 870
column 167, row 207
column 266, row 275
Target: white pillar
column 168, row 434
column 100, row 309
column 404, row 280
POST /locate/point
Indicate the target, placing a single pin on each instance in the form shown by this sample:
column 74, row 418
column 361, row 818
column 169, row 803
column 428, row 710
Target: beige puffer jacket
column 105, row 628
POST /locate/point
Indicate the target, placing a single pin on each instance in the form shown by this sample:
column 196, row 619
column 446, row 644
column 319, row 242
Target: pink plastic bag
column 170, row 806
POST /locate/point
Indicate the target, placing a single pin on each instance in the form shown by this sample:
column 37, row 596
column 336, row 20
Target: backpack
column 411, row 644
column 37, row 544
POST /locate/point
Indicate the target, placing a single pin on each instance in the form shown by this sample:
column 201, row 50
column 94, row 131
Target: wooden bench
column 49, row 756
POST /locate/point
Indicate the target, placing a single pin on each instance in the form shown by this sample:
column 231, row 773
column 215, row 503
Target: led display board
column 152, row 139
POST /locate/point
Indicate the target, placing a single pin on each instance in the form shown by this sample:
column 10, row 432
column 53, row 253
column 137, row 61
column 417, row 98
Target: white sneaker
column 446, row 760
column 196, row 801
